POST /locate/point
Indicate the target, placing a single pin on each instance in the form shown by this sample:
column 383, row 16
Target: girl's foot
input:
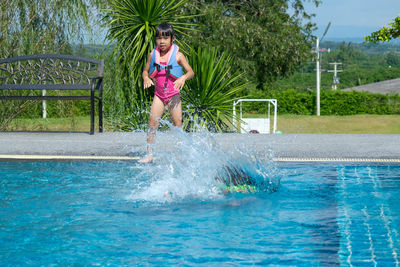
column 147, row 159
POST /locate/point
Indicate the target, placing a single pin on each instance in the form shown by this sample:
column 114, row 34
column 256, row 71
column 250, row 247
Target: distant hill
column 345, row 39
column 357, row 40
column 347, row 33
column 367, row 48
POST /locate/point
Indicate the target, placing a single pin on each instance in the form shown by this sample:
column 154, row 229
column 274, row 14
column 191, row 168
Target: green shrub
column 332, row 102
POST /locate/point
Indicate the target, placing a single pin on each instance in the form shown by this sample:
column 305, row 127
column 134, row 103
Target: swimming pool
column 116, row 213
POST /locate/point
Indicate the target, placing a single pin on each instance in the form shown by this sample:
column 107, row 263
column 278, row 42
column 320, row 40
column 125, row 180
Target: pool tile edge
column 128, row 158
column 378, row 160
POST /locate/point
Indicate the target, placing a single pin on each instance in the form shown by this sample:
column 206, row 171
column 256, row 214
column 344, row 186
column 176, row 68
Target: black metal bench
column 54, row 72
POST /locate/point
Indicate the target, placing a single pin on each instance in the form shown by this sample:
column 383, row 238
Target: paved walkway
column 368, row 146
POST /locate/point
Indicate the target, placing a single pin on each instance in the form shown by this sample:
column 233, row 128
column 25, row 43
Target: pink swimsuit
column 165, row 85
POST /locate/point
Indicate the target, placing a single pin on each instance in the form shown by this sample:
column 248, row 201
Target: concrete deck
column 297, row 146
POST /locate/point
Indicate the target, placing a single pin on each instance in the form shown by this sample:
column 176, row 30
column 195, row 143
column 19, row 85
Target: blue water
column 115, row 213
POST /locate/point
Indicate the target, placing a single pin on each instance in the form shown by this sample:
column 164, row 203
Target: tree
column 39, row 27
column 392, row 59
column 36, row 26
column 385, row 34
column 346, row 53
column 265, row 40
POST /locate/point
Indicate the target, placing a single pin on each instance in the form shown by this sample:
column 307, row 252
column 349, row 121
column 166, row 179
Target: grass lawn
column 75, row 124
column 357, row 124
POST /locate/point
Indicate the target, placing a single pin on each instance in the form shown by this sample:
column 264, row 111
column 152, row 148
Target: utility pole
column 335, row 71
column 44, row 106
column 318, row 70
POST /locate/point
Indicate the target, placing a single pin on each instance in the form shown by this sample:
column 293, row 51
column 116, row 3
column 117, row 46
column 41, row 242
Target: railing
column 270, row 101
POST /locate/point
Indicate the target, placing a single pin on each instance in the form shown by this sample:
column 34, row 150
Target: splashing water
column 198, row 168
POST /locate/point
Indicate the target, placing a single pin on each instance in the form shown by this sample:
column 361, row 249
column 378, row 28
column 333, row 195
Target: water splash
column 197, row 168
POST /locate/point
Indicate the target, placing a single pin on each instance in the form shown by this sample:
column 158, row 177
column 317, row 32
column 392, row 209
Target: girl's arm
column 181, row 59
column 147, row 82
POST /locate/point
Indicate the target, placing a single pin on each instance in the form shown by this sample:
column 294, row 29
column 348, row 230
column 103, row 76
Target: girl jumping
column 164, row 70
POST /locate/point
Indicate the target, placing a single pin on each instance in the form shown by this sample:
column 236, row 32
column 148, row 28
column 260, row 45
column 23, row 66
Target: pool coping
column 135, row 159
column 131, row 146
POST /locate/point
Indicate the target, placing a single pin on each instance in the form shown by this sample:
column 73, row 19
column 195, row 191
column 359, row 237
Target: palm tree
column 209, row 96
column 132, row 25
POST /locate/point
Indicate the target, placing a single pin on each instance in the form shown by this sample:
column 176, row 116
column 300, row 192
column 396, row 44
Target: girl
column 164, row 70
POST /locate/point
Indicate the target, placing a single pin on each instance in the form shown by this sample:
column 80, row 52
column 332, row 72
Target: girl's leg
column 156, row 111
column 175, row 109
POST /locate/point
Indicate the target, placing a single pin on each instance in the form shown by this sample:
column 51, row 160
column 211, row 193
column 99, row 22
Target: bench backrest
column 50, row 72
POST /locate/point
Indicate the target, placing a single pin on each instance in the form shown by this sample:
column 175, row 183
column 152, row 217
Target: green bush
column 332, row 102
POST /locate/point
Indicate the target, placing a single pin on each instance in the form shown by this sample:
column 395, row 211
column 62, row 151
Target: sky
column 352, row 18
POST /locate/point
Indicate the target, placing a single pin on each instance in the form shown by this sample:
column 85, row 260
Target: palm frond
column 209, row 96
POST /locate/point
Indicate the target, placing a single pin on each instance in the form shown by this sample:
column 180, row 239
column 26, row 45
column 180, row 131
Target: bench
column 53, row 72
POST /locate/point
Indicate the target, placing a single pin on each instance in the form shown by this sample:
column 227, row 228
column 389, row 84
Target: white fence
column 261, row 125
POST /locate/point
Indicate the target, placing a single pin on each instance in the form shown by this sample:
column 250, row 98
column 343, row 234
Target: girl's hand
column 147, row 82
column 179, row 83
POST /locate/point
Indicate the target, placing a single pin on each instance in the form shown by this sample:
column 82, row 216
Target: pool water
column 116, row 213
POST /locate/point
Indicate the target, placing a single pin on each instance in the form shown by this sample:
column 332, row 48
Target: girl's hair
column 165, row 29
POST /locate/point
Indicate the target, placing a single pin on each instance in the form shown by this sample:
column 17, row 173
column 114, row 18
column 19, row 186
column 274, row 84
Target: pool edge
column 5, row 157
column 66, row 157
column 377, row 160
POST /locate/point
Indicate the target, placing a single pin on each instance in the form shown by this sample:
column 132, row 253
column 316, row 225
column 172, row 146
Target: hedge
column 332, row 102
